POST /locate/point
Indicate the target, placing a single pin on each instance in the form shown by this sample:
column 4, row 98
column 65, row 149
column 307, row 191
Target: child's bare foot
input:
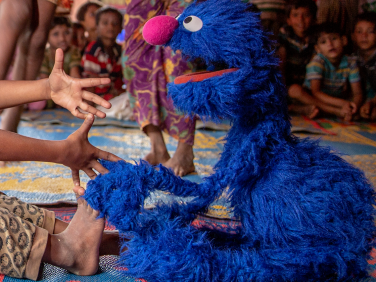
column 310, row 111
column 158, row 153
column 3, row 164
column 76, row 249
column 157, row 157
column 182, row 161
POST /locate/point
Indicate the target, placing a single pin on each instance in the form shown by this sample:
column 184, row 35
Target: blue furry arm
column 126, row 186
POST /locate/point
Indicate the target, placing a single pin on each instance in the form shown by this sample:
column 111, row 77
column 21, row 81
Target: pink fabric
column 159, row 30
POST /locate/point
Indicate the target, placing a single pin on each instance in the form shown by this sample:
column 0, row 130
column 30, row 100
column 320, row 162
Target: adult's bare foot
column 76, row 249
column 182, row 161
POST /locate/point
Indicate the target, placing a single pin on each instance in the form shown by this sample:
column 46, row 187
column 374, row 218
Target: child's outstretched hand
column 81, row 155
column 68, row 92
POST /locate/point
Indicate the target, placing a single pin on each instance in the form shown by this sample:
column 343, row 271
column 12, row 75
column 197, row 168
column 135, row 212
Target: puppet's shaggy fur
column 306, row 214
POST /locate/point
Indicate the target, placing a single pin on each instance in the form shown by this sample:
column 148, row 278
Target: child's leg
column 15, row 15
column 158, row 153
column 308, row 107
column 45, row 219
column 182, row 161
column 77, row 248
column 39, row 217
column 24, row 246
column 21, row 246
column 30, row 54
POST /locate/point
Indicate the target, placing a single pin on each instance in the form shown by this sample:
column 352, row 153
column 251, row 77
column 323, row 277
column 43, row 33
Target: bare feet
column 311, row 111
column 76, row 249
column 158, row 153
column 182, row 161
column 157, row 157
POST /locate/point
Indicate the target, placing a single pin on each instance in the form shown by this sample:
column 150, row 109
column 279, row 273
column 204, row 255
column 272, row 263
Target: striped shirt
column 334, row 81
column 299, row 52
column 97, row 63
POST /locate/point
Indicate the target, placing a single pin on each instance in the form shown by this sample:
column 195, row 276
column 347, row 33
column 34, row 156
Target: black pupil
column 187, row 19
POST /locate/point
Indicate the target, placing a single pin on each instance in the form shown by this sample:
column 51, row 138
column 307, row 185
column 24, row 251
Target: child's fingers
column 90, row 109
column 101, row 169
column 108, row 156
column 86, row 125
column 76, row 177
column 91, row 82
column 90, row 173
column 78, row 114
column 96, row 99
column 59, row 60
column 78, row 190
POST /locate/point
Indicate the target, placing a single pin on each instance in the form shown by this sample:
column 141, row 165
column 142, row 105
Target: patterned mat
column 47, row 183
column 108, row 269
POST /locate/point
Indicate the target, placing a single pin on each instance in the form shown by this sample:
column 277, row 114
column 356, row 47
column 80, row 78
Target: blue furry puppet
column 305, row 213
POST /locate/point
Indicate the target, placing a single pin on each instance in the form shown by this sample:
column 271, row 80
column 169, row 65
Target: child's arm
column 75, row 152
column 357, row 93
column 338, row 107
column 61, row 88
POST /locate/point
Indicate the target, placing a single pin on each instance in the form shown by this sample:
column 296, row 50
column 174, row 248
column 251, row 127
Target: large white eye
column 193, row 23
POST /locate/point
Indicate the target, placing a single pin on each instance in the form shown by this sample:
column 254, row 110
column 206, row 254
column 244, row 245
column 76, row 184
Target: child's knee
column 295, row 91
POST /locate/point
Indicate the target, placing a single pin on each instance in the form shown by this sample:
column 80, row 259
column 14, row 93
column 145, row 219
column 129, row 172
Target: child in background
column 147, row 69
column 78, row 37
column 364, row 38
column 296, row 48
column 332, row 77
column 86, row 16
column 272, row 14
column 102, row 58
column 60, row 37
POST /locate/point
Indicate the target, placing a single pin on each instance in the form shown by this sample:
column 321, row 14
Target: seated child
column 271, row 14
column 332, row 78
column 78, row 37
column 364, row 38
column 60, row 37
column 296, row 48
column 31, row 235
column 102, row 58
column 86, row 16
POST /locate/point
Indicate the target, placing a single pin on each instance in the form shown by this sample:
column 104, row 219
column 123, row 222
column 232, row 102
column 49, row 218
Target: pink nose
column 159, row 30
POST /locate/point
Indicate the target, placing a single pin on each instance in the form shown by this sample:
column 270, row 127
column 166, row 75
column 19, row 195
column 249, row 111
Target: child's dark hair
column 366, row 17
column 108, row 9
column 77, row 25
column 326, row 28
column 83, row 9
column 295, row 4
column 60, row 21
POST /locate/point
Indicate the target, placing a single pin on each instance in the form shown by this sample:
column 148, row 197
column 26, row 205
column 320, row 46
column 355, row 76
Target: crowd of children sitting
column 323, row 75
column 326, row 70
